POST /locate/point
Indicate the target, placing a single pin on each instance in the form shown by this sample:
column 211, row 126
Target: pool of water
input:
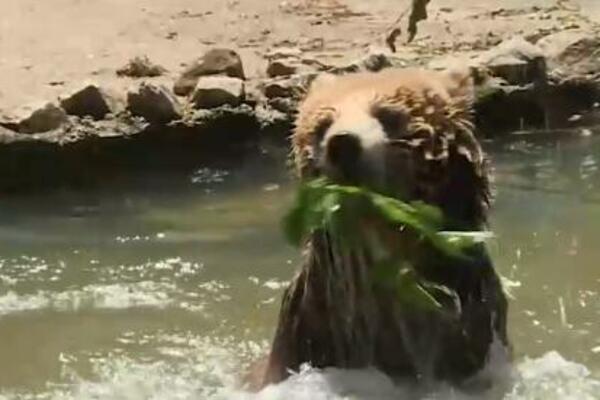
column 167, row 288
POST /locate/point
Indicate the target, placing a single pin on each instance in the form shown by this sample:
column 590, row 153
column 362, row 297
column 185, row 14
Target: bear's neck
column 339, row 281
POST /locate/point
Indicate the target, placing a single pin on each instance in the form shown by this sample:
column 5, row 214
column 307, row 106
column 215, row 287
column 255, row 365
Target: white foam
column 549, row 377
column 111, row 296
column 330, row 384
column 206, row 369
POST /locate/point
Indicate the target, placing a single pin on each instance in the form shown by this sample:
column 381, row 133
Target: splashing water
column 198, row 368
column 173, row 293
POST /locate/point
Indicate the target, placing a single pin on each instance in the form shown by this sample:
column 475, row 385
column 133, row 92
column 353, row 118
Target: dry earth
column 51, row 48
column 48, row 47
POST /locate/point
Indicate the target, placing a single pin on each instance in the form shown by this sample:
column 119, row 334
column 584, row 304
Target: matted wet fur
column 406, row 133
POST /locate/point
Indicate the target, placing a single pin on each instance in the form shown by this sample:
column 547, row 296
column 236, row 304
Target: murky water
column 167, row 290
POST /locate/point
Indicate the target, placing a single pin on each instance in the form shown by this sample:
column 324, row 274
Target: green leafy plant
column 339, row 209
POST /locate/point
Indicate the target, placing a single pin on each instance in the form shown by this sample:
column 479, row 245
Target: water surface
column 167, row 288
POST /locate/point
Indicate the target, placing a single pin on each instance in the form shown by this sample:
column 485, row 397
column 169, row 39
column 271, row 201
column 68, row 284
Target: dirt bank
column 50, row 49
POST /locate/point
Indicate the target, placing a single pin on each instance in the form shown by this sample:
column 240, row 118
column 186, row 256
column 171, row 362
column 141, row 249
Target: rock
column 221, row 128
column 494, row 97
column 253, row 93
column 517, row 61
column 288, row 66
column 278, row 89
column 539, row 33
column 213, row 62
column 277, row 68
column 91, row 101
column 36, row 119
column 216, row 91
column 275, row 126
column 288, row 61
column 500, row 107
column 122, row 126
column 115, row 148
column 140, row 67
column 523, row 96
column 287, row 106
column 573, row 52
column 556, row 46
column 154, row 103
column 282, row 88
column 287, row 87
column 270, row 116
column 44, row 119
column 7, row 136
column 374, row 61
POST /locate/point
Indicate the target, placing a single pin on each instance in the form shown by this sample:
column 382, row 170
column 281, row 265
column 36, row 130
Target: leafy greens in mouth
column 341, row 210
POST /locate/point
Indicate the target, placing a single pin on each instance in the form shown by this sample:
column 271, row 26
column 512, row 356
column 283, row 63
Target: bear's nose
column 343, row 151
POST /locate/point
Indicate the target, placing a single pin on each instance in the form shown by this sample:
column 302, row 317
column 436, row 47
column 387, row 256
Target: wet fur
column 331, row 314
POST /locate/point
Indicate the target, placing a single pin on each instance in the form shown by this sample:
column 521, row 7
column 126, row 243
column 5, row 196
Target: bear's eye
column 393, row 121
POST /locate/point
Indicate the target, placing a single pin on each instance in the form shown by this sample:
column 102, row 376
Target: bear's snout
column 343, row 152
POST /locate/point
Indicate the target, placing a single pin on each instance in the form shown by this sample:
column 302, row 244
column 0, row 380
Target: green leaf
column 340, row 209
column 320, row 204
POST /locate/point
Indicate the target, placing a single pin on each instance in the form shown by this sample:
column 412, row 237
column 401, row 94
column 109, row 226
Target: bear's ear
column 460, row 83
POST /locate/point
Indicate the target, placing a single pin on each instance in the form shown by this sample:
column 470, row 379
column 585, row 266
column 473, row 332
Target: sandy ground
column 48, row 47
column 591, row 8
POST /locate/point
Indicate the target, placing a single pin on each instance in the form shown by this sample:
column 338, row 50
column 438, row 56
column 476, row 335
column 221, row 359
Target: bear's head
column 406, row 133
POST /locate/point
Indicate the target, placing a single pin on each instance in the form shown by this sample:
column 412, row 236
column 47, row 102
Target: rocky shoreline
column 550, row 80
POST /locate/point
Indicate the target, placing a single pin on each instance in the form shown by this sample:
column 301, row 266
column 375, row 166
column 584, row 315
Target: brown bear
column 406, row 133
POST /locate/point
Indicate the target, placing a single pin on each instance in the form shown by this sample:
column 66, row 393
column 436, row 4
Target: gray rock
column 287, row 87
column 275, row 126
column 572, row 52
column 374, row 61
column 155, row 103
column 91, row 101
column 516, row 60
column 44, row 119
column 270, row 116
column 253, row 93
column 287, row 106
column 35, row 119
column 140, row 67
column 282, row 67
column 281, row 89
column 216, row 91
column 8, row 136
column 223, row 115
column 562, row 45
column 214, row 62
